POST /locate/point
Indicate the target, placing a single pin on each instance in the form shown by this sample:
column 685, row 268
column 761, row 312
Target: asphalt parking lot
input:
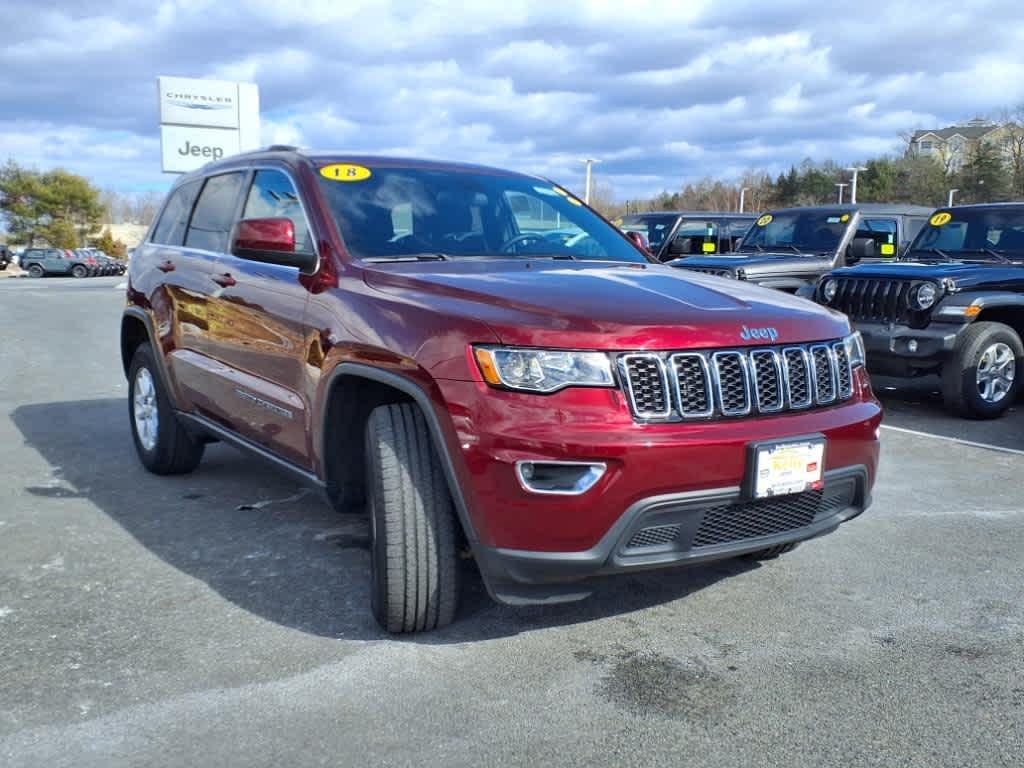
column 222, row 618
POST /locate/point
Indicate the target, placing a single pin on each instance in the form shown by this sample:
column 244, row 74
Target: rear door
column 184, row 247
column 258, row 331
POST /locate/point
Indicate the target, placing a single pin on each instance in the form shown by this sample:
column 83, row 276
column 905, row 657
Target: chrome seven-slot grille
column 673, row 386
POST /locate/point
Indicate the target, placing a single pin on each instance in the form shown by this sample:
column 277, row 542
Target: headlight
column 541, row 370
column 854, row 344
column 828, row 290
column 925, row 296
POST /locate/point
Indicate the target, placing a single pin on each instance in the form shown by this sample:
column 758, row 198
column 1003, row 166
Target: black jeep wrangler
column 792, row 247
column 5, row 257
column 953, row 305
column 671, row 235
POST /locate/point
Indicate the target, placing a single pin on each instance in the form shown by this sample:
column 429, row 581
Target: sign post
column 205, row 120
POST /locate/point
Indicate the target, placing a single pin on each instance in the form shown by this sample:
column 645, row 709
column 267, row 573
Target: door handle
column 225, row 280
column 166, row 266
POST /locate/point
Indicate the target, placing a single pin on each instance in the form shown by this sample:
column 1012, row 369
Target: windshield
column 654, row 227
column 814, row 232
column 389, row 212
column 988, row 234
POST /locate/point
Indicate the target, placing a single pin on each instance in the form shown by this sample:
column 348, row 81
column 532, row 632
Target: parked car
column 674, row 234
column 107, row 264
column 5, row 257
column 385, row 330
column 792, row 247
column 954, row 305
column 39, row 262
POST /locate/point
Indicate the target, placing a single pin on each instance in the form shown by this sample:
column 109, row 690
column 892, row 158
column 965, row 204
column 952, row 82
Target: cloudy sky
column 664, row 92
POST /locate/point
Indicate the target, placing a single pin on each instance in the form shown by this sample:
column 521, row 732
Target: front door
column 259, row 332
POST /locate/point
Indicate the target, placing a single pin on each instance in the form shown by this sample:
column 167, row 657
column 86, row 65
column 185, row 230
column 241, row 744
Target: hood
column 964, row 275
column 599, row 305
column 759, row 264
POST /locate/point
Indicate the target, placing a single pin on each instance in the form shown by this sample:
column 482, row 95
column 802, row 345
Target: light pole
column 743, row 193
column 841, row 187
column 854, row 169
column 949, row 200
column 589, row 161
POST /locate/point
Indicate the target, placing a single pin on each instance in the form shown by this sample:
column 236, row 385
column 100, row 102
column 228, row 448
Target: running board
column 206, row 426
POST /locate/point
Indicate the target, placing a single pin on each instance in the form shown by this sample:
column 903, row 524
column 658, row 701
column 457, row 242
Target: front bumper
column 888, row 347
column 703, row 463
column 675, row 530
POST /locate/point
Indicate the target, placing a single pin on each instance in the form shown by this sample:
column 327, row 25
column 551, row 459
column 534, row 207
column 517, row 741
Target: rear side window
column 214, row 214
column 170, row 230
column 273, row 195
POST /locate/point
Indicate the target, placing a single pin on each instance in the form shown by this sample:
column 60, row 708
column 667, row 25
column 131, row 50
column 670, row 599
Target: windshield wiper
column 995, row 254
column 936, row 251
column 408, row 257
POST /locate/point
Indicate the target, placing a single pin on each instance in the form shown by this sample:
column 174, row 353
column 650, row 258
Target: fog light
column 566, row 478
column 912, row 346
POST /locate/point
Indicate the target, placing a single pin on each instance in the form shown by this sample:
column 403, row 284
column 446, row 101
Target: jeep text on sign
column 186, row 148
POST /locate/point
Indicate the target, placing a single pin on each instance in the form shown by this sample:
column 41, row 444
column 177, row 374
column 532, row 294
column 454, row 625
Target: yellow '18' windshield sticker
column 765, row 220
column 345, row 172
column 888, row 249
column 940, row 219
column 844, row 218
column 708, row 247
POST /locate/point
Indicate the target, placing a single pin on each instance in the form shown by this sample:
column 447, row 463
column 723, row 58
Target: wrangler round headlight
column 828, row 290
column 925, row 295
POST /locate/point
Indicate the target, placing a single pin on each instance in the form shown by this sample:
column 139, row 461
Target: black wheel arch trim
column 422, row 399
column 137, row 313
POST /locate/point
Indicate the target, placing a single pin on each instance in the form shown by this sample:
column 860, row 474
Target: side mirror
column 639, row 241
column 271, row 241
column 860, row 248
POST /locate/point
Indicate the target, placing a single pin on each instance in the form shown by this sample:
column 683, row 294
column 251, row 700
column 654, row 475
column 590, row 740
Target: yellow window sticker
column 617, row 222
column 940, row 219
column 765, row 220
column 708, row 248
column 888, row 249
column 844, row 218
column 345, row 172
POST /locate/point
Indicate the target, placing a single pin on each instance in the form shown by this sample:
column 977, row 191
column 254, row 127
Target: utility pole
column 589, row 161
column 949, row 201
column 743, row 193
column 841, row 186
column 853, row 185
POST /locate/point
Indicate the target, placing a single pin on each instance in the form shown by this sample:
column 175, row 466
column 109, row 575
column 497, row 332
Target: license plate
column 785, row 468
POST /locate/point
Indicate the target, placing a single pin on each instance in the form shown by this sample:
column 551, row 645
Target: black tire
column 79, row 271
column 960, row 391
column 35, row 270
column 770, row 553
column 176, row 451
column 413, row 561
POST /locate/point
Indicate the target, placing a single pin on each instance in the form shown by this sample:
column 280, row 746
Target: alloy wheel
column 147, row 421
column 996, row 370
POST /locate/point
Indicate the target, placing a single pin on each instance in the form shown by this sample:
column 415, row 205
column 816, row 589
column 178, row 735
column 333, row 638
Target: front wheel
column 35, row 270
column 79, row 271
column 982, row 378
column 413, row 561
column 163, row 444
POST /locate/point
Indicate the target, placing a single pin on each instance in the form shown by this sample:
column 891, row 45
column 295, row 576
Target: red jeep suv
column 487, row 367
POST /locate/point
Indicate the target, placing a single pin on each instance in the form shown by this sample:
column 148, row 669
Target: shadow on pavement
column 276, row 550
column 917, row 404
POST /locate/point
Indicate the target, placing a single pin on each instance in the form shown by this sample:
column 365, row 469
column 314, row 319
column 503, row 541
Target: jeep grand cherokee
column 403, row 335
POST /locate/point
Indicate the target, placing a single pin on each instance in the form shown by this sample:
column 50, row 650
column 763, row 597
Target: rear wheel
column 79, row 271
column 413, row 561
column 983, row 377
column 164, row 446
column 35, row 270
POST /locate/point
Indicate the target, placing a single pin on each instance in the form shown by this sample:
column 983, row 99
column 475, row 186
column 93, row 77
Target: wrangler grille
column 873, row 300
column 730, row 383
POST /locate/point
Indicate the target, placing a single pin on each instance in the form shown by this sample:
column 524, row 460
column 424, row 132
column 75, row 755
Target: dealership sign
column 205, row 120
